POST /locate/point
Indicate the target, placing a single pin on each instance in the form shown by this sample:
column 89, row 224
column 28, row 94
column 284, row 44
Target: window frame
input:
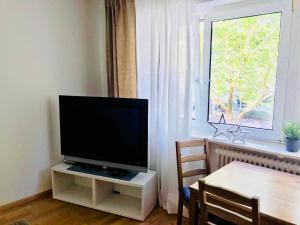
column 240, row 10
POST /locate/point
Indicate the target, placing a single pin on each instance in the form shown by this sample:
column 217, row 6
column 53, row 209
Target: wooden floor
column 46, row 211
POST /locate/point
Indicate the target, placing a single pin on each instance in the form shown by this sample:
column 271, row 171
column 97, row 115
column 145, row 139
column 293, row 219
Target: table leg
column 193, row 216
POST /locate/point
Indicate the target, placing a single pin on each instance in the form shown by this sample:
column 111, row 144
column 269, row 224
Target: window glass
column 243, row 67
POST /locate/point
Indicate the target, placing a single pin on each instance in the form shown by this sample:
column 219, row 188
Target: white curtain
column 167, row 61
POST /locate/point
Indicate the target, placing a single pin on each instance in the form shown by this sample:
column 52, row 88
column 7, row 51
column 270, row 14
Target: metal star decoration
column 221, row 128
column 238, row 135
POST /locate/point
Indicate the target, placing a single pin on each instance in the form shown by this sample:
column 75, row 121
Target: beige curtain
column 121, row 48
column 295, row 4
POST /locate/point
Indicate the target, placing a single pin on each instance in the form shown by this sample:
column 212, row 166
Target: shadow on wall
column 53, row 131
column 96, row 49
column 53, row 145
column 44, row 178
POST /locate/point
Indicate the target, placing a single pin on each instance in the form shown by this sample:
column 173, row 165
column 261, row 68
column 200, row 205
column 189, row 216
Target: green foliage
column 244, row 62
column 261, row 115
column 292, row 130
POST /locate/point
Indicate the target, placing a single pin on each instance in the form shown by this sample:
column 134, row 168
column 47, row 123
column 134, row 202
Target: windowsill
column 272, row 148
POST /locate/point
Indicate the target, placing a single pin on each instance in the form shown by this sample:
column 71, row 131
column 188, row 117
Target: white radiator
column 227, row 155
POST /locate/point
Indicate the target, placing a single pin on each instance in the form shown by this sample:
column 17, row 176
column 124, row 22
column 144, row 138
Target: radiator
column 227, row 155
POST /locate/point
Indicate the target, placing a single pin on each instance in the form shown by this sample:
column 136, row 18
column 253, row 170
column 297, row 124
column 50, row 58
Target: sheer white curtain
column 167, row 61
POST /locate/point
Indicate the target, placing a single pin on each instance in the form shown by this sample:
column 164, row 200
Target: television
column 107, row 132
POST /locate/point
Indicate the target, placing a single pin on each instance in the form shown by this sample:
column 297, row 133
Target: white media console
column 134, row 199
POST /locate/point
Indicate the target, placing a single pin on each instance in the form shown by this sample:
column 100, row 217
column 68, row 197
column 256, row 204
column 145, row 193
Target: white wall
column 296, row 115
column 293, row 97
column 96, row 56
column 44, row 52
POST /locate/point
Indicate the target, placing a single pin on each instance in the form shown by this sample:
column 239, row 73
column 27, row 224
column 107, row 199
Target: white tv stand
column 134, row 199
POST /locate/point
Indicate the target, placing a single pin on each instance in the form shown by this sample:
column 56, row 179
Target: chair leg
column 179, row 212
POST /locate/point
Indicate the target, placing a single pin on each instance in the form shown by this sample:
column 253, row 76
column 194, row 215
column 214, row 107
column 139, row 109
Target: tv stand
column 134, row 199
column 104, row 171
column 120, row 173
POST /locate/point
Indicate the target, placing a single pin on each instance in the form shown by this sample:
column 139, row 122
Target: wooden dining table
column 278, row 192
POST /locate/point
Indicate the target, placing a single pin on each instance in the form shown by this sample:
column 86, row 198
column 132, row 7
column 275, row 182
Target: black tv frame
column 142, row 104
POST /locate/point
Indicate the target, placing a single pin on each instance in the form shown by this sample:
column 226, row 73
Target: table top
column 279, row 192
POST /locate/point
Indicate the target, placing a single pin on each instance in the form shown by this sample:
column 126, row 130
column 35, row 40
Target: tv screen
column 105, row 131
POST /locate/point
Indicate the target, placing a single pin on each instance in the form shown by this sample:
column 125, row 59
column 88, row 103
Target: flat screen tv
column 111, row 132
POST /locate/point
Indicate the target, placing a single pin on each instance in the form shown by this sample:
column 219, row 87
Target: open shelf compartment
column 74, row 189
column 120, row 199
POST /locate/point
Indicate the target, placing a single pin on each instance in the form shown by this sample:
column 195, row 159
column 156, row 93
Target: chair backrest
column 227, row 205
column 190, row 158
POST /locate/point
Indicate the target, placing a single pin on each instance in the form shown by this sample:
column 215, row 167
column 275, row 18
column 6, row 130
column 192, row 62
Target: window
column 245, row 67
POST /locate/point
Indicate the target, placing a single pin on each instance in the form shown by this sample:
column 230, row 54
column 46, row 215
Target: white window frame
column 245, row 9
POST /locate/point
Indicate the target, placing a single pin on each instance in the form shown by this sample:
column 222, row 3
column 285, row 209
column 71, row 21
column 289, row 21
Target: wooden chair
column 227, row 205
column 184, row 192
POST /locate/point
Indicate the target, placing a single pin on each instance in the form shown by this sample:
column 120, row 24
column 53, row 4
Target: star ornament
column 238, row 135
column 221, row 128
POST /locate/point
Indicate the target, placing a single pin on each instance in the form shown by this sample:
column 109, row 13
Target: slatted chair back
column 227, row 205
column 191, row 158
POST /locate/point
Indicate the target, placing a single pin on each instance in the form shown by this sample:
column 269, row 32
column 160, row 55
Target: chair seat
column 212, row 218
column 186, row 194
